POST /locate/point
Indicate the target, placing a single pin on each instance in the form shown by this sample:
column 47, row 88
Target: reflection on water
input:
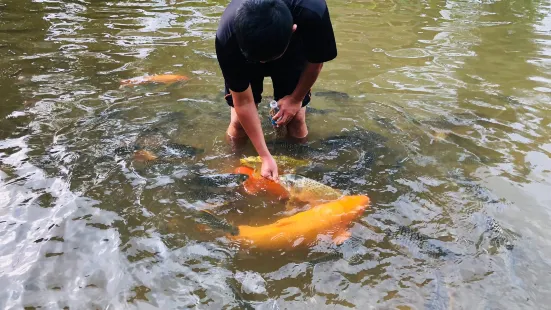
column 437, row 110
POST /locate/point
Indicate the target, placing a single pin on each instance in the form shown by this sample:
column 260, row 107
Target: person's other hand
column 288, row 108
column 269, row 168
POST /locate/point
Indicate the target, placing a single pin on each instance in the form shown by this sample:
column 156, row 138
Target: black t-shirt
column 313, row 41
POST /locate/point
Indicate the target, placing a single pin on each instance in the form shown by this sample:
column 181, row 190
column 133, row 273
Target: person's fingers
column 278, row 115
column 284, row 120
column 275, row 176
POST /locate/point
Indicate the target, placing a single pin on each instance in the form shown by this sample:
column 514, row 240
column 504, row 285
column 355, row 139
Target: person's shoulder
column 317, row 8
column 225, row 29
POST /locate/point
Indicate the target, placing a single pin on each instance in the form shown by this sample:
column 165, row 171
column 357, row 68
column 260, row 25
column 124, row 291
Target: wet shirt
column 313, row 41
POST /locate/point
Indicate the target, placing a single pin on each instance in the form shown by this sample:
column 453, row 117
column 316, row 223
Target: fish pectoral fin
column 340, row 237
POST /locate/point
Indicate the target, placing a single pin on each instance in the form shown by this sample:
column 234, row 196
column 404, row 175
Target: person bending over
column 287, row 40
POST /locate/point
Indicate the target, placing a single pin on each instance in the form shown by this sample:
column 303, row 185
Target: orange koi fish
column 256, row 184
column 161, row 78
column 143, row 156
column 304, row 228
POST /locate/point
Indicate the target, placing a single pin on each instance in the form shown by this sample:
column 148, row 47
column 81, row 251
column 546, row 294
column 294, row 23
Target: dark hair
column 263, row 28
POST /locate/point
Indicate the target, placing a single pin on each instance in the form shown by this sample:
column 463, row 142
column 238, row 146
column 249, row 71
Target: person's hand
column 288, row 108
column 269, row 168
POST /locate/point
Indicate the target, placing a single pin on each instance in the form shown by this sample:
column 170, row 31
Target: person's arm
column 245, row 108
column 293, row 103
column 307, row 80
column 316, row 31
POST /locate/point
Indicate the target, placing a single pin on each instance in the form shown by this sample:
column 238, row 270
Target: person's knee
column 235, row 129
column 297, row 126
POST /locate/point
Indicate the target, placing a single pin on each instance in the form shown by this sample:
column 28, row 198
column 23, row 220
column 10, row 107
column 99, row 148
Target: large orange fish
column 161, row 78
column 305, row 228
column 257, row 184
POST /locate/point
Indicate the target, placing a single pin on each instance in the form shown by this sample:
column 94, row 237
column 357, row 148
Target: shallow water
column 459, row 89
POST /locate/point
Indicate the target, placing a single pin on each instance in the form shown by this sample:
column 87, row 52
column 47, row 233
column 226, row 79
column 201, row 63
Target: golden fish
column 162, row 78
column 438, row 136
column 144, row 156
column 305, row 228
column 308, row 190
column 286, row 161
column 147, row 158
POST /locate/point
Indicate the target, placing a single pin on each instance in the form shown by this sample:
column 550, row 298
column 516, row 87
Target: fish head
column 353, row 206
column 244, row 170
column 291, row 182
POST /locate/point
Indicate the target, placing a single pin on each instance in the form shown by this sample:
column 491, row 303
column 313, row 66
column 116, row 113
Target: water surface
column 459, row 90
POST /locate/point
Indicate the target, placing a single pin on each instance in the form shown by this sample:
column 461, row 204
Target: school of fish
column 326, row 213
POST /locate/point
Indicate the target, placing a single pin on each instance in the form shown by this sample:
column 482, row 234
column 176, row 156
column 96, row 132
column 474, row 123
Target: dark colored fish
column 388, row 124
column 221, row 180
column 477, row 191
column 413, row 239
column 497, row 234
column 213, row 221
column 448, row 122
column 170, row 117
column 210, row 195
column 363, row 139
column 319, row 111
column 332, row 94
column 329, row 257
column 180, row 150
column 284, row 147
column 315, row 169
column 125, row 150
column 510, row 100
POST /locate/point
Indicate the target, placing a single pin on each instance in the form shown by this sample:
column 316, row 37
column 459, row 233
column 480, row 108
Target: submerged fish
column 213, row 221
column 292, row 149
column 153, row 146
column 311, row 110
column 221, row 180
column 179, row 150
column 498, row 237
column 308, row 190
column 362, row 139
column 408, row 237
column 151, row 138
column 332, row 94
column 305, row 228
column 254, row 161
column 161, row 78
column 148, row 158
column 144, row 156
column 329, row 257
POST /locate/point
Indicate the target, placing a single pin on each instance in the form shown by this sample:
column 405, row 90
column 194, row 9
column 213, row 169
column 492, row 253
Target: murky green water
column 459, row 89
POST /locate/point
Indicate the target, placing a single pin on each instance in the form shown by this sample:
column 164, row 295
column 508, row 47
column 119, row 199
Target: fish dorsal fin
column 283, row 224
